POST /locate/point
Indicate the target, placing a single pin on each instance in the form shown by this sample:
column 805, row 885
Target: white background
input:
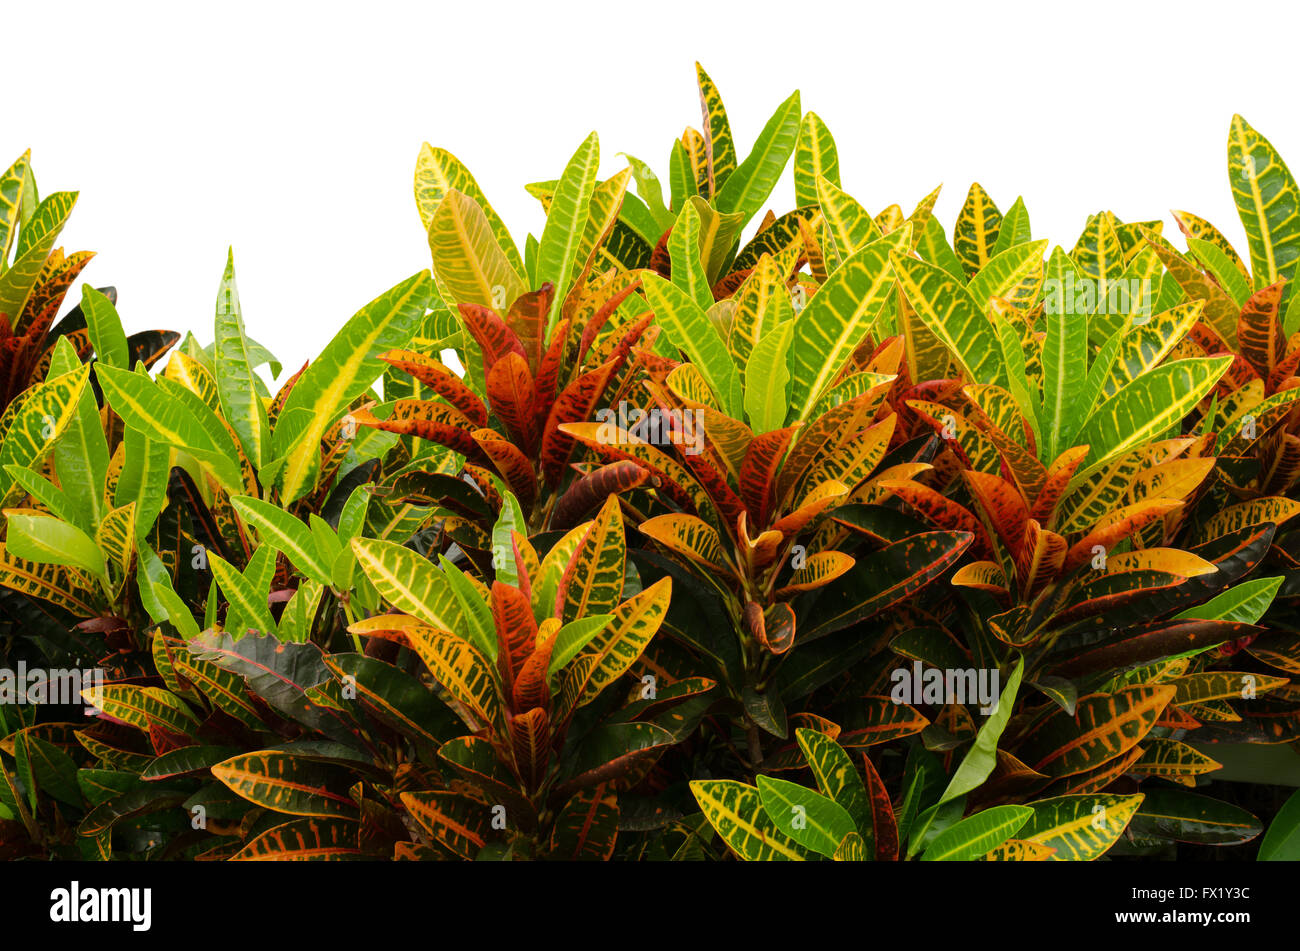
column 290, row 131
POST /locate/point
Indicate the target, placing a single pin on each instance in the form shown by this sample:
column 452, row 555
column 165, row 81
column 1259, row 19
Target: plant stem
column 351, row 615
column 755, row 743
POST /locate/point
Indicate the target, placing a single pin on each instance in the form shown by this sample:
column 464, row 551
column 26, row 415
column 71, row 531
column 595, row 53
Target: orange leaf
column 529, row 739
column 512, row 615
column 532, row 686
column 433, row 374
column 1259, row 334
column 511, row 464
column 1119, row 525
column 526, row 319
column 494, row 338
column 575, row 404
column 1003, row 505
column 1059, row 474
column 759, row 468
column 512, row 394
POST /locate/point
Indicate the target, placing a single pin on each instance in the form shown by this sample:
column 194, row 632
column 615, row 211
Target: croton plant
column 702, row 525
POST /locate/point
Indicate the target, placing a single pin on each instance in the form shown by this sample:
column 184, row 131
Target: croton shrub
column 710, row 523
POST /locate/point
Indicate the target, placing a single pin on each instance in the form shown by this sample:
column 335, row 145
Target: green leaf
column 837, row 777
column 681, row 176
column 921, row 773
column 12, row 184
column 848, row 223
column 467, row 258
column 933, row 246
column 409, row 582
column 52, row 541
column 32, row 424
column 747, row 188
column 245, row 598
column 976, row 835
column 718, row 140
column 81, row 458
column 1144, row 409
column 438, row 172
column 477, row 625
column 948, row 311
column 260, row 570
column 815, row 821
column 650, row 189
column 509, row 521
column 284, row 783
column 978, row 763
column 146, row 468
column 1065, row 355
column 1080, row 828
column 397, row 697
column 684, row 251
column 286, row 533
column 976, row 232
column 815, row 156
column 1243, row 603
column 1188, row 817
column 105, row 328
column 767, row 379
column 178, row 614
column 718, row 235
column 237, row 384
column 689, row 329
column 932, row 822
column 573, row 637
column 353, row 517
column 1268, row 202
column 837, row 317
column 1026, row 394
column 1282, row 840
column 565, row 222
column 35, row 242
column 881, row 580
column 325, row 541
column 736, row 811
column 1014, row 229
column 298, row 615
column 343, row 371
column 175, row 417
column 47, row 770
column 1218, row 263
column 45, row 492
column 1014, row 275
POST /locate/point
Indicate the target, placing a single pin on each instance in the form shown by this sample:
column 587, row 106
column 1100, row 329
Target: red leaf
column 884, row 826
column 530, row 739
column 493, row 336
column 601, row 317
column 527, row 320
column 516, row 630
column 1003, row 504
column 1258, row 332
column 758, row 472
column 436, row 422
column 575, row 405
column 591, row 490
column 433, row 374
column 511, row 464
column 512, row 394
